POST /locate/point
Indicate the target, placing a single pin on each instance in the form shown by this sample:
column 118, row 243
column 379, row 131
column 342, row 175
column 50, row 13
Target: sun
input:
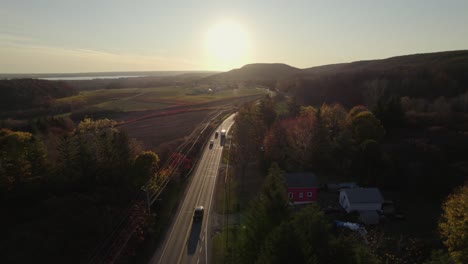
column 227, row 45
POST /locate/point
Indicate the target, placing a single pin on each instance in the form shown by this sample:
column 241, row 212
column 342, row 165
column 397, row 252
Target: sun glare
column 227, row 45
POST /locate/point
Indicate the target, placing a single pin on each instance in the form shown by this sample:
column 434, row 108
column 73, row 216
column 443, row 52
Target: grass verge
column 223, row 245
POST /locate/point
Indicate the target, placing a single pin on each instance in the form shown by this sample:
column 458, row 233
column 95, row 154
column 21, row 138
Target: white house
column 361, row 199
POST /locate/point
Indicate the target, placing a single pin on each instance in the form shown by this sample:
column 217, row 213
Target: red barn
column 302, row 187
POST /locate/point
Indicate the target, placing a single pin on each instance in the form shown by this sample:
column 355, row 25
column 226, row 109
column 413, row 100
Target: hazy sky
column 118, row 35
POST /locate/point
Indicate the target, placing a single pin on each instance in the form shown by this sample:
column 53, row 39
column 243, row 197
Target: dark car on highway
column 198, row 213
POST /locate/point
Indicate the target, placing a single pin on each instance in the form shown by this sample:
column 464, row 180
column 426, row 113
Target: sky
column 60, row 36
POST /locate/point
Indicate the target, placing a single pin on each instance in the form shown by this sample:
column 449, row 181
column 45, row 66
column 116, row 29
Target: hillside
column 256, row 72
column 437, row 60
column 429, row 76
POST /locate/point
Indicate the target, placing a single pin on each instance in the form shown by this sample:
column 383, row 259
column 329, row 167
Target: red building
column 302, row 187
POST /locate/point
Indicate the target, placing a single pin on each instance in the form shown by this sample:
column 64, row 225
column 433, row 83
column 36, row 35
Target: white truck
column 223, row 133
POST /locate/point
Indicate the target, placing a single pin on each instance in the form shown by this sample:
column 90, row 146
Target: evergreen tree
column 320, row 143
column 266, row 212
column 390, row 112
column 67, row 167
column 307, row 238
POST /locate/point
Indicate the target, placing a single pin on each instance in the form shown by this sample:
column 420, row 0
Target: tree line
column 19, row 94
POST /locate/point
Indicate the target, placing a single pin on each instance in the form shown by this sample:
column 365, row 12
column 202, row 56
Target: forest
column 21, row 95
column 65, row 187
column 412, row 159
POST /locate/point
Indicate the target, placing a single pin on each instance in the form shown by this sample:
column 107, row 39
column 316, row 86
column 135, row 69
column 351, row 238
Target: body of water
column 72, row 78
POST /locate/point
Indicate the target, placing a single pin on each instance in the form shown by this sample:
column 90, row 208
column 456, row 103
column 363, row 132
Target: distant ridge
column 279, row 71
column 256, row 72
column 432, row 60
column 425, row 75
column 102, row 74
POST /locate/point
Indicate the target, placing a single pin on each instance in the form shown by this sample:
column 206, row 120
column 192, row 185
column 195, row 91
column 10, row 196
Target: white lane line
column 211, row 197
column 199, row 251
column 185, row 202
column 203, row 166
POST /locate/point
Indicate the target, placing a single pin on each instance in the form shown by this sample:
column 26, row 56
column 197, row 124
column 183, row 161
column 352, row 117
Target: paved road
column 187, row 241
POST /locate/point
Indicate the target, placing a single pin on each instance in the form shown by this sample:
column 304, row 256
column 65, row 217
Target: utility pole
column 148, row 202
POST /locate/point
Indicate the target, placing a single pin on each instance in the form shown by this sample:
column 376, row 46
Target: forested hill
column 435, row 60
column 18, row 94
column 428, row 76
column 256, row 72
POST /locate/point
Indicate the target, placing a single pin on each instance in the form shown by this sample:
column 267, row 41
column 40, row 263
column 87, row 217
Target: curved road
column 188, row 241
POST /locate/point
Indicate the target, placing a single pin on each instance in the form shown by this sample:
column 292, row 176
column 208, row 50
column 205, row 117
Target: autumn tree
column 22, row 158
column 453, row 224
column 146, row 166
column 299, row 136
column 355, row 111
column 334, row 118
column 97, row 152
column 365, row 125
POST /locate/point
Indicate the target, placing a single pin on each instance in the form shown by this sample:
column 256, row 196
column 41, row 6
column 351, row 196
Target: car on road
column 216, row 134
column 198, row 213
column 211, row 143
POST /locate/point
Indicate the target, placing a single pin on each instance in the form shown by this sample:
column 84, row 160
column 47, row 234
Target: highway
column 187, row 241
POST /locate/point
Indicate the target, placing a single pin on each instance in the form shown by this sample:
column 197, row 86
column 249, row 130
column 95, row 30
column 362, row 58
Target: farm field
column 141, row 99
column 161, row 128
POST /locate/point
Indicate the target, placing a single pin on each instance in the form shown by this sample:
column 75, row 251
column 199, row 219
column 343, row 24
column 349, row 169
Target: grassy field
column 141, row 99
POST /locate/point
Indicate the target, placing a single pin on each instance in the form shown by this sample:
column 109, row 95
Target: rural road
column 187, row 241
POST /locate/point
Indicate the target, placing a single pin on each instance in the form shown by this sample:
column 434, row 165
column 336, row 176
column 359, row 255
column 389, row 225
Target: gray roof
column 299, row 180
column 364, row 195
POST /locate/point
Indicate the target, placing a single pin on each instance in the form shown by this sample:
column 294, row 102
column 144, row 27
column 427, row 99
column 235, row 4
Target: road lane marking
column 211, row 197
column 204, row 167
column 186, row 201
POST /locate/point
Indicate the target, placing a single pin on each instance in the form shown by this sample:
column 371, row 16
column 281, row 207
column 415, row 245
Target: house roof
column 299, row 180
column 363, row 195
